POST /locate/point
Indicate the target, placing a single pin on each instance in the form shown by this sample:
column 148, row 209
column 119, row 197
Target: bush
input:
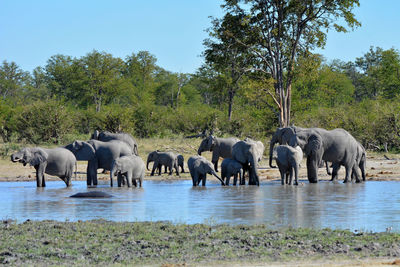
column 44, row 122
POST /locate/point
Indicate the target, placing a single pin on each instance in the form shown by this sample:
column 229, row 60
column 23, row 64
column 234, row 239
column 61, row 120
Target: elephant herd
column 118, row 153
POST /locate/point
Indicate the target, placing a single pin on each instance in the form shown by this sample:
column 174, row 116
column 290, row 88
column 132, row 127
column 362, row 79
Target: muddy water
column 371, row 206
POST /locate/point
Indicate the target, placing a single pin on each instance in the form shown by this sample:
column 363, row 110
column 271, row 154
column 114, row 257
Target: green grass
column 104, row 243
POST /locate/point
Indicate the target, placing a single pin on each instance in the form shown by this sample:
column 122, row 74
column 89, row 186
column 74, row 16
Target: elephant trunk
column 199, row 151
column 113, row 172
column 147, row 163
column 312, row 170
column 253, row 175
column 271, row 150
column 216, row 175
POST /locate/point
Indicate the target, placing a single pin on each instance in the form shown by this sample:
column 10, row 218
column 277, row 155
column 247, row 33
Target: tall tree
column 12, row 79
column 228, row 57
column 279, row 30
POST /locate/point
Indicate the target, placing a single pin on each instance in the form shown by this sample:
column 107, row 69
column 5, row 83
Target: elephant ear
column 83, row 150
column 38, row 156
column 313, row 147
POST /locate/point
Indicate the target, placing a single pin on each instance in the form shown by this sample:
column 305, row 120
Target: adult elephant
column 124, row 137
column 220, row 147
column 199, row 167
column 246, row 153
column 167, row 159
column 336, row 146
column 99, row 154
column 259, row 146
column 56, row 161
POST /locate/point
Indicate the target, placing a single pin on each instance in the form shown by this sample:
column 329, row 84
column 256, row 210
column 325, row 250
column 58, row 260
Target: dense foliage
column 73, row 96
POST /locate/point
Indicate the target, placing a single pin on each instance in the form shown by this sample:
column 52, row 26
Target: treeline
column 73, row 96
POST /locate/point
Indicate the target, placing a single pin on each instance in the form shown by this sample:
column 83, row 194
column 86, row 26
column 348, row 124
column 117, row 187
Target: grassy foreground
column 102, row 242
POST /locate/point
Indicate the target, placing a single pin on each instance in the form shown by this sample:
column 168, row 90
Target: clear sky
column 31, row 31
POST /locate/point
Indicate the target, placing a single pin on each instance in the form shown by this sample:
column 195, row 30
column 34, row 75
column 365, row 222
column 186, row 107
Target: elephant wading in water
column 247, row 154
column 336, row 146
column 56, row 161
column 282, row 136
column 288, row 160
column 220, row 147
column 167, row 159
column 229, row 168
column 124, row 137
column 128, row 169
column 199, row 167
column 99, row 155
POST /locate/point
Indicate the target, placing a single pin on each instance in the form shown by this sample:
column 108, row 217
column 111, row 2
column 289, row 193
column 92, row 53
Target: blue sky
column 172, row 30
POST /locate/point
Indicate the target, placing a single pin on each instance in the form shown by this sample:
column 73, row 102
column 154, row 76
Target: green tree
column 13, row 80
column 279, row 30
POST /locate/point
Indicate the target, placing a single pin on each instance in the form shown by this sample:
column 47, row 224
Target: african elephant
column 288, row 160
column 168, row 159
column 282, row 136
column 336, row 146
column 56, row 161
column 361, row 161
column 99, row 154
column 199, row 167
column 124, row 137
column 246, row 153
column 231, row 167
column 259, row 148
column 220, row 147
column 128, row 168
column 180, row 164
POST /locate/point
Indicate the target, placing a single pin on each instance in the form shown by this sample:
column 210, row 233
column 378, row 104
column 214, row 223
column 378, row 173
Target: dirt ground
column 380, row 167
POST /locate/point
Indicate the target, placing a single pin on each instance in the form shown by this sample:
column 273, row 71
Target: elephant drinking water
column 56, row 161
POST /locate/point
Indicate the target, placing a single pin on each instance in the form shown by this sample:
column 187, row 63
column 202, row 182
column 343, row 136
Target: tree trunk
column 230, row 104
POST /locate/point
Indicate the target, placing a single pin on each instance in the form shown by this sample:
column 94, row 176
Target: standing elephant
column 231, row 167
column 56, row 161
column 220, row 147
column 247, row 154
column 361, row 161
column 259, row 147
column 288, row 160
column 336, row 146
column 199, row 167
column 167, row 159
column 124, row 137
column 282, row 136
column 181, row 161
column 99, row 154
column 128, row 169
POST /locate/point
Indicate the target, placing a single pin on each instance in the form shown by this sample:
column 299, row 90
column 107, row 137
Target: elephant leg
column 176, row 169
column 348, row 173
column 235, row 177
column 40, row 174
column 91, row 172
column 128, row 179
column 227, row 179
column 290, row 176
column 335, row 170
column 165, row 169
column 354, row 173
column 154, row 169
column 204, row 177
column 119, row 179
column 214, row 159
column 327, row 168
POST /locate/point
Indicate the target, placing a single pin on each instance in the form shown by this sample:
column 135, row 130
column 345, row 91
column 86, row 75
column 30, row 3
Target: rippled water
column 371, row 206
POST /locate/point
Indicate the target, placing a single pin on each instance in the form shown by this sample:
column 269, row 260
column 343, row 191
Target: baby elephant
column 128, row 169
column 231, row 167
column 198, row 168
column 168, row 159
column 180, row 159
column 289, row 159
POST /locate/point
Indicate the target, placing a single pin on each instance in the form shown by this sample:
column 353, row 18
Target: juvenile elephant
column 99, row 154
column 288, row 160
column 361, row 160
column 56, row 161
column 180, row 164
column 168, row 159
column 336, row 146
column 229, row 168
column 246, row 153
column 129, row 169
column 124, row 137
column 199, row 167
column 220, row 147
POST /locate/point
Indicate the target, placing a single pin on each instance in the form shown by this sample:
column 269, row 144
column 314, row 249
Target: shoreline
column 167, row 244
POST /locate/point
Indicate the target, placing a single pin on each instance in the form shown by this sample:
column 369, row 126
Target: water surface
column 370, row 206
